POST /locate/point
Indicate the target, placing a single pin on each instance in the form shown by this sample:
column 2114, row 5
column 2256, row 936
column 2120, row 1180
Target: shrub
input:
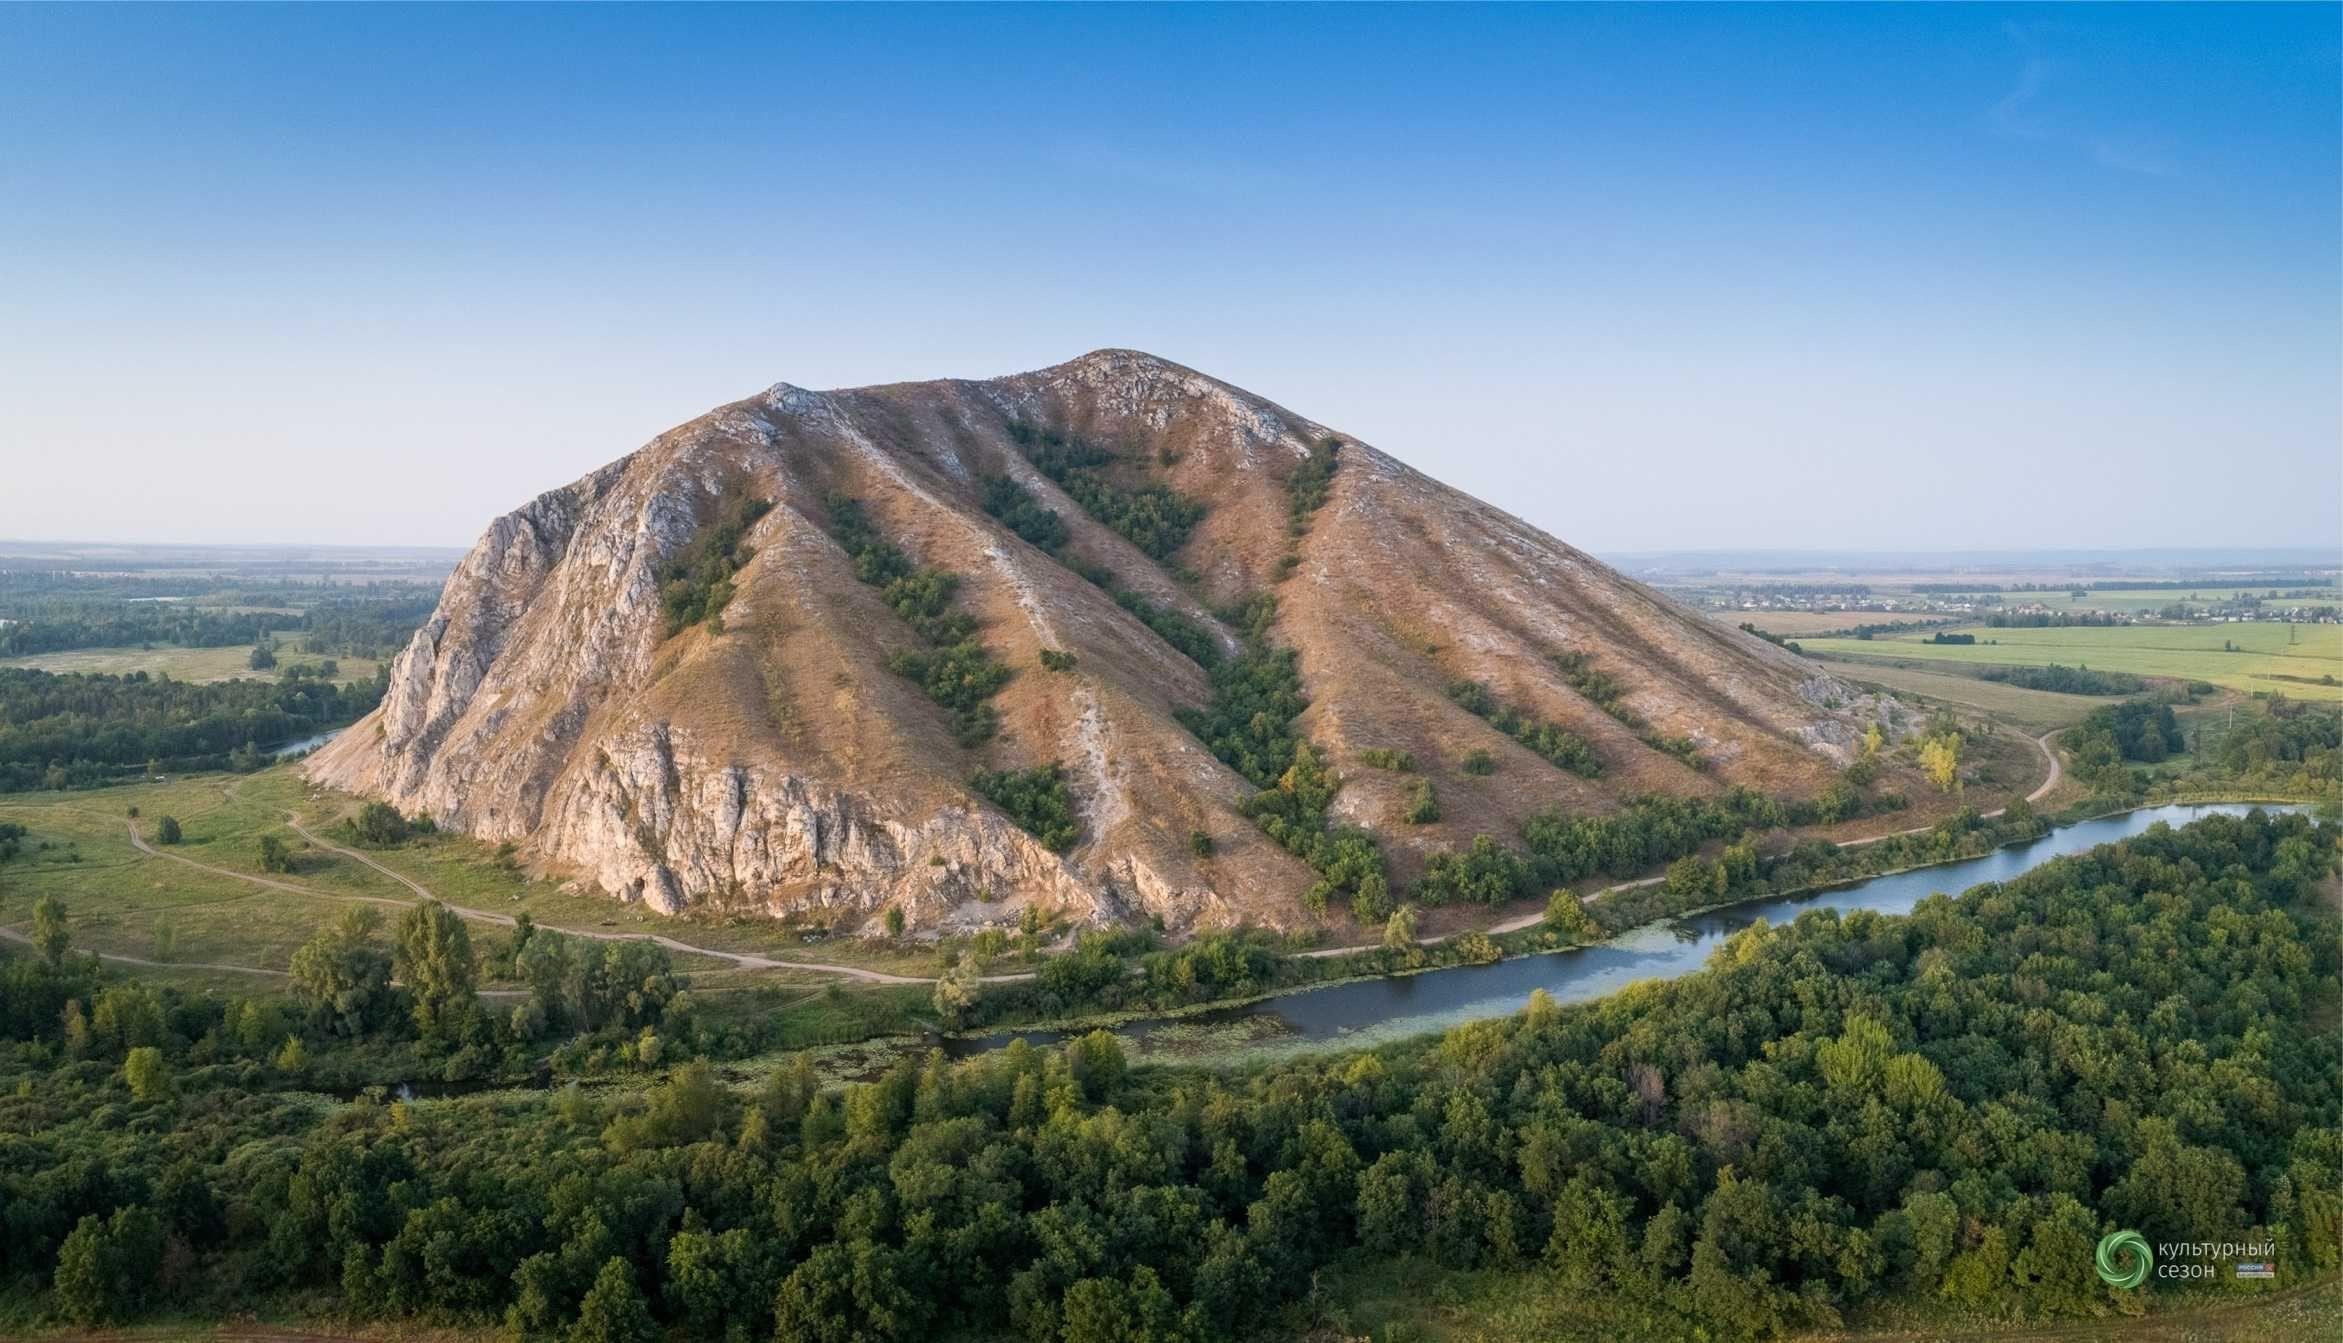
column 1423, row 807
column 695, row 584
column 1036, row 799
column 1155, row 518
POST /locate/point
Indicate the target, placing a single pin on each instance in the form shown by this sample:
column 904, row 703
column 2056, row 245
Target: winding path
column 740, row 960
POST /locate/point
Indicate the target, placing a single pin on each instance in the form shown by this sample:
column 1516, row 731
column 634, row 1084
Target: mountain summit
column 1113, row 639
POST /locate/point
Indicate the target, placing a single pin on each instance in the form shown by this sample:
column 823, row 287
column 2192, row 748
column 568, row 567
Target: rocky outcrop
column 770, row 762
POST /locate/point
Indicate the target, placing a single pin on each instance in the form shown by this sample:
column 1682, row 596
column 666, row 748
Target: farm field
column 2156, row 599
column 1796, row 624
column 2266, row 659
column 187, row 664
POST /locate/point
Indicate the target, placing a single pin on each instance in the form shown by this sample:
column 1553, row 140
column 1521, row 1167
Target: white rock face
column 774, row 765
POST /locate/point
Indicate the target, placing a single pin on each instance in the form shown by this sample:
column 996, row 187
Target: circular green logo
column 2124, row 1259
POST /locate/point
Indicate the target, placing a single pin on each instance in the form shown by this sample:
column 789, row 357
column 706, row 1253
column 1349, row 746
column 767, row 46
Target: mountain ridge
column 811, row 747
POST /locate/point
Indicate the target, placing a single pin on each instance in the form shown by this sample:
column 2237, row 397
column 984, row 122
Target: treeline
column 1945, row 1109
column 340, row 620
column 2065, row 680
column 366, row 627
column 1559, row 849
column 2278, row 746
column 82, row 729
column 2111, row 737
column 2038, row 620
column 52, row 627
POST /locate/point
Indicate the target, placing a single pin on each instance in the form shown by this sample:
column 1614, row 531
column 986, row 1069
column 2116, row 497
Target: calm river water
column 1368, row 1011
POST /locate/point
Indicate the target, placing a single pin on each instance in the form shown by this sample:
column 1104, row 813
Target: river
column 304, row 745
column 1369, row 1011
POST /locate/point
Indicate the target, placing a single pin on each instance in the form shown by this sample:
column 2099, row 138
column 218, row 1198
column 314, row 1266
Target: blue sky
column 1656, row 277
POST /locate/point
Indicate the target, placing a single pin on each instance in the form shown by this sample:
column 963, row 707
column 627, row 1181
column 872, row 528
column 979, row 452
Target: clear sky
column 1659, row 277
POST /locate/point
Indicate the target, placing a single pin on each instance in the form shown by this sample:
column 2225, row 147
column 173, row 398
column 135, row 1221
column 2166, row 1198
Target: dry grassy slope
column 778, row 766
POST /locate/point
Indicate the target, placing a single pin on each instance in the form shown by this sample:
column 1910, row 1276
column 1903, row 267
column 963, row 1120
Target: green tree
column 434, row 960
column 957, row 992
column 106, row 1269
column 1566, row 915
column 613, row 1310
column 1399, row 931
column 52, row 935
column 144, row 1072
column 343, row 974
column 167, row 830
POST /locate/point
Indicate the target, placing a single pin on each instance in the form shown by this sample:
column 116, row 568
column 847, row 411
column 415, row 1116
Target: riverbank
column 1370, row 1008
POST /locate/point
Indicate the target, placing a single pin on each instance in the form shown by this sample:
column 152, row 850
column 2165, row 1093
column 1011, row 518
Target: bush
column 1479, row 762
column 274, row 855
column 380, row 824
column 1036, row 799
column 1423, row 806
column 695, row 584
column 167, row 830
column 1155, row 518
column 1558, row 746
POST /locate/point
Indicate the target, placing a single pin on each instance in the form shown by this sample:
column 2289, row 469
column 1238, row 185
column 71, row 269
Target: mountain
column 789, row 658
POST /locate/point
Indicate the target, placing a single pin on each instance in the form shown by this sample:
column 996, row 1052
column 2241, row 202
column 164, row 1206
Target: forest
column 53, row 612
column 76, row 730
column 1945, row 1110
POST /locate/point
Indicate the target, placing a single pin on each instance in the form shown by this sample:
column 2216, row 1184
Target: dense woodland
column 1947, row 1108
column 2280, row 747
column 48, row 613
column 81, row 729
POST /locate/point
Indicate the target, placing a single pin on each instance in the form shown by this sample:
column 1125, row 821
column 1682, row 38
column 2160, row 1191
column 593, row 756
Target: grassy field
column 128, row 903
column 2037, row 711
column 2267, row 659
column 1798, row 624
column 186, row 664
column 2156, row 599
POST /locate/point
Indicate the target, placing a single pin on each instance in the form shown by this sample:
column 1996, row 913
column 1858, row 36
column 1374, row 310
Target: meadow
column 2271, row 657
column 226, row 929
column 187, row 664
column 2036, row 711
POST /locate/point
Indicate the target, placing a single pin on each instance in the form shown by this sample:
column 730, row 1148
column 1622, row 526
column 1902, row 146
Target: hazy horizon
column 1655, row 279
